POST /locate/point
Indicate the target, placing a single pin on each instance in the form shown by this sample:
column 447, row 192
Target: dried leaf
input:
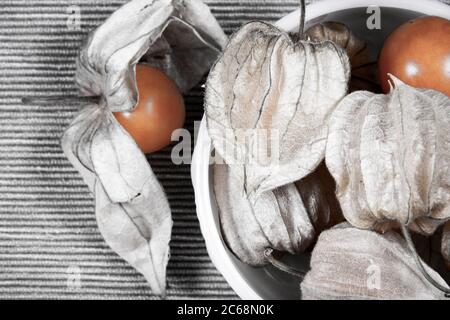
column 133, row 214
column 180, row 37
column 389, row 155
column 350, row 263
column 364, row 68
column 283, row 93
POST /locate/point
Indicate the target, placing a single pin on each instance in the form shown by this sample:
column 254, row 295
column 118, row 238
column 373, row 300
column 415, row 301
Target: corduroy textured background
column 50, row 246
column 48, row 234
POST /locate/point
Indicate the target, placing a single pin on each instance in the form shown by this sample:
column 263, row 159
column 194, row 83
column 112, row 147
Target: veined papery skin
column 317, row 191
column 277, row 219
column 255, row 88
column 351, row 263
column 287, row 219
column 364, row 74
column 181, row 38
column 390, row 157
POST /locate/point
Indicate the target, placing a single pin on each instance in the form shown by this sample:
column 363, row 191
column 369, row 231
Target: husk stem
column 301, row 27
column 273, row 257
column 418, row 260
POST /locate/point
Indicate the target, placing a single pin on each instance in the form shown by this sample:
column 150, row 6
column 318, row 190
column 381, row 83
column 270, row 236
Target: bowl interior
column 267, row 282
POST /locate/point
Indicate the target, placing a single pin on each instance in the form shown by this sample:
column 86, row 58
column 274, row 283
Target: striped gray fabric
column 50, row 246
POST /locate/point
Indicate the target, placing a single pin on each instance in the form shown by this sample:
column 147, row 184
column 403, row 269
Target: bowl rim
column 322, row 7
column 200, row 165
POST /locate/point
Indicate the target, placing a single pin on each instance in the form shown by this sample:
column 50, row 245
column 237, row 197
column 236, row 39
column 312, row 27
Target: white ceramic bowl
column 268, row 283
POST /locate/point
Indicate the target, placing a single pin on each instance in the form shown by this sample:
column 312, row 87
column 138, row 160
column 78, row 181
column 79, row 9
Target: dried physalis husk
column 363, row 66
column 287, row 219
column 280, row 91
column 180, row 37
column 351, row 263
column 132, row 210
column 317, row 191
column 276, row 219
column 445, row 248
column 390, row 157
